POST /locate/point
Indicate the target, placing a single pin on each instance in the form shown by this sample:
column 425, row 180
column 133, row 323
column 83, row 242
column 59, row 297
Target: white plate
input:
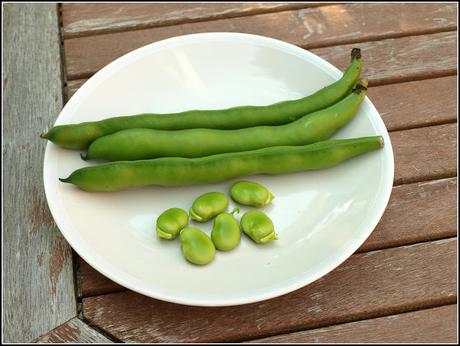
column 321, row 217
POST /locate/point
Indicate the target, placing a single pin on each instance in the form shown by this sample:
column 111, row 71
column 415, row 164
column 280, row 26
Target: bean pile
column 210, row 146
column 197, row 247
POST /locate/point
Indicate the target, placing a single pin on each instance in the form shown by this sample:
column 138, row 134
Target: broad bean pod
column 79, row 136
column 175, row 171
column 141, row 144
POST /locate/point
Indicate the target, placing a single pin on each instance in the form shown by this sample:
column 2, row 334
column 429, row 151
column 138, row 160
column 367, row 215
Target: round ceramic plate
column 321, row 217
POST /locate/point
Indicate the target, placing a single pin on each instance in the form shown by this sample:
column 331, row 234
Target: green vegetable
column 226, row 232
column 197, row 247
column 140, row 144
column 250, row 193
column 258, row 226
column 171, row 222
column 79, row 136
column 175, row 171
column 208, row 205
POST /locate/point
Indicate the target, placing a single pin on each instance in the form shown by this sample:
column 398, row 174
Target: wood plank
column 94, row 283
column 436, row 325
column 416, row 104
column 90, row 19
column 309, row 28
column 415, row 213
column 367, row 285
column 73, row 331
column 402, row 105
column 38, row 278
column 425, row 153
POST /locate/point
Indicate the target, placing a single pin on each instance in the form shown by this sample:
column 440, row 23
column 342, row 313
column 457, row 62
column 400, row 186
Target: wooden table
column 400, row 286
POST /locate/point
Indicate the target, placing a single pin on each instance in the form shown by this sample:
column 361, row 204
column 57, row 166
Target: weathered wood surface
column 367, row 285
column 436, row 325
column 425, row 153
column 399, row 104
column 38, row 284
column 416, row 212
column 90, row 19
column 413, row 55
column 417, row 103
column 93, row 283
column 73, row 331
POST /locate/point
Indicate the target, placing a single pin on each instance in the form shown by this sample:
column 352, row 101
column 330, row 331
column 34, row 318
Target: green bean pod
column 171, row 222
column 197, row 247
column 142, row 144
column 226, row 233
column 250, row 193
column 208, row 205
column 176, row 171
column 79, row 136
column 258, row 226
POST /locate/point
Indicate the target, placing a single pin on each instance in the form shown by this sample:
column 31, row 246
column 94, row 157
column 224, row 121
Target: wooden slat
column 89, row 19
column 310, row 28
column 73, row 331
column 365, row 286
column 403, row 105
column 416, row 212
column 93, row 283
column 416, row 104
column 425, row 153
column 38, row 285
column 436, row 325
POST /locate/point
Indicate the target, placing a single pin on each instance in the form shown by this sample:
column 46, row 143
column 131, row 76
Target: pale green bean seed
column 171, row 222
column 208, row 205
column 250, row 193
column 197, row 247
column 258, row 226
column 226, row 233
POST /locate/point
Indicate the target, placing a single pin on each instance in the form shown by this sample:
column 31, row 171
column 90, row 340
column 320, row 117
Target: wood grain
column 38, row 282
column 89, row 19
column 93, row 283
column 365, row 286
column 436, row 325
column 73, row 331
column 415, row 213
column 400, row 59
column 384, row 58
column 425, row 153
column 416, row 104
column 402, row 105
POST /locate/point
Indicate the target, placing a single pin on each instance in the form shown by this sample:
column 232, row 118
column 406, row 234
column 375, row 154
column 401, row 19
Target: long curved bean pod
column 79, row 136
column 174, row 171
column 142, row 144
